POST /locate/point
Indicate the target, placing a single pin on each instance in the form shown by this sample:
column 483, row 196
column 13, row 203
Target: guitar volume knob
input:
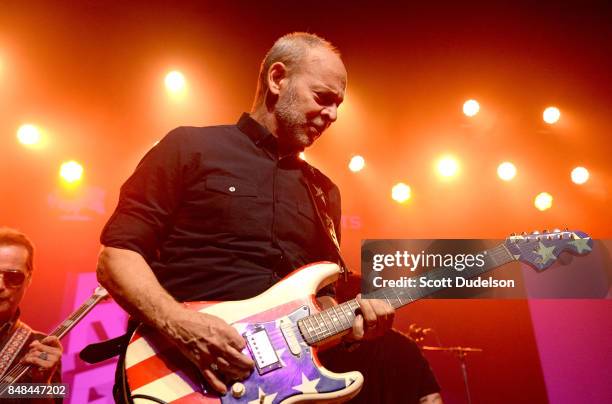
column 238, row 390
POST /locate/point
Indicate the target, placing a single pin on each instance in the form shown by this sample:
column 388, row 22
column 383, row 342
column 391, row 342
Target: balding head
column 291, row 50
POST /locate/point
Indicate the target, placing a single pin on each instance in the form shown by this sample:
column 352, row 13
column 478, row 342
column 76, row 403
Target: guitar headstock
column 100, row 292
column 541, row 250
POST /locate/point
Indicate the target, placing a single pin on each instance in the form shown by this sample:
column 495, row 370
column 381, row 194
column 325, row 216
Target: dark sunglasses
column 13, row 278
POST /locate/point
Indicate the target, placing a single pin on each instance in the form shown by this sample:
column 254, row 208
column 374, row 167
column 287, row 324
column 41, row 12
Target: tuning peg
column 524, row 233
column 544, row 231
column 513, row 234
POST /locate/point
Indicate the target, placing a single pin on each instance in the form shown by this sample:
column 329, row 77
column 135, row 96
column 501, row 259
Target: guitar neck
column 76, row 316
column 339, row 319
column 17, row 372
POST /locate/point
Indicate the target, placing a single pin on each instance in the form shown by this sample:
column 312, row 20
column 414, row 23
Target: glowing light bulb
column 71, row 171
column 28, row 135
column 448, row 166
column 551, row 115
column 506, row 171
column 356, row 164
column 543, row 201
column 401, row 192
column 175, row 81
column 580, row 175
column 471, row 108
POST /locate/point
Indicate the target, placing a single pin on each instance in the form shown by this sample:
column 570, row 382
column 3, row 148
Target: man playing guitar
column 18, row 342
column 222, row 213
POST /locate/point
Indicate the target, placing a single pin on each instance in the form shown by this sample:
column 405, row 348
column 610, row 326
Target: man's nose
column 331, row 113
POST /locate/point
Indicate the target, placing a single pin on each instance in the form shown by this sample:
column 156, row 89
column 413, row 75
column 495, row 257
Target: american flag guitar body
column 287, row 369
column 284, row 326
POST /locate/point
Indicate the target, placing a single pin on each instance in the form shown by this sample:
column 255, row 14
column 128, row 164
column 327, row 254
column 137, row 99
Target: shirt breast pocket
column 237, row 201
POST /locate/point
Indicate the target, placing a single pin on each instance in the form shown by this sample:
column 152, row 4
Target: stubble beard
column 291, row 125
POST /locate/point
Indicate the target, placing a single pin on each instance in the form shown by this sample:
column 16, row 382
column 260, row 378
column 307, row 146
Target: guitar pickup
column 260, row 346
column 287, row 328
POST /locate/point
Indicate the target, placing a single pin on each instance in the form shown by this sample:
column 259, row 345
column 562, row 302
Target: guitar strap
column 320, row 202
column 13, row 346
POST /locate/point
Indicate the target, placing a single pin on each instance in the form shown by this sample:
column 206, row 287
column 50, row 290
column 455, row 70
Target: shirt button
column 232, row 189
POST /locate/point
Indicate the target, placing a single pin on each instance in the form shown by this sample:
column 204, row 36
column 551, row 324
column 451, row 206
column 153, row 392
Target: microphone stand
column 461, row 354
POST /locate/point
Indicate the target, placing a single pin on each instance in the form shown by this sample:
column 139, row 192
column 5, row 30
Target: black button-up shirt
column 218, row 215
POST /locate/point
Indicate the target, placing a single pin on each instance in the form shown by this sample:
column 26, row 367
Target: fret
column 347, row 323
column 321, row 327
column 328, row 323
column 314, row 325
column 386, row 298
column 354, row 305
column 348, row 313
column 335, row 320
column 397, row 296
column 304, row 330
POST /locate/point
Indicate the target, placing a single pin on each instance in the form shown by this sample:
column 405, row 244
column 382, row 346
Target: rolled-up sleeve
column 149, row 198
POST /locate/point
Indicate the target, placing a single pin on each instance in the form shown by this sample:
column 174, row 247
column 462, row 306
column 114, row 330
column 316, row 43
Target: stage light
column 580, row 175
column 71, row 172
column 302, row 155
column 471, row 107
column 551, row 115
column 506, row 171
column 356, row 164
column 543, row 201
column 448, row 166
column 28, row 135
column 175, row 81
column 401, row 192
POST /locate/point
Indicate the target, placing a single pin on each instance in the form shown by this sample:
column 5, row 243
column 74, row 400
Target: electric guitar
column 283, row 328
column 14, row 374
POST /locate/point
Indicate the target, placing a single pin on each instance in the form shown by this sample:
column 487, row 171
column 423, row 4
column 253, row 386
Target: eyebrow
column 325, row 88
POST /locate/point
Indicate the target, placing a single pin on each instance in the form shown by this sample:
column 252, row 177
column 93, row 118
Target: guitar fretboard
column 338, row 319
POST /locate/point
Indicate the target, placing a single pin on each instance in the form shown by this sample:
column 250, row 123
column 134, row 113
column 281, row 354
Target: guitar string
column 323, row 330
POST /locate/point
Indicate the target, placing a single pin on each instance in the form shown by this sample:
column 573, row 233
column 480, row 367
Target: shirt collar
column 261, row 136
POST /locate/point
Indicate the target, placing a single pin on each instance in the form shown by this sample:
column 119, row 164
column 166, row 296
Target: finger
column 238, row 359
column 231, row 372
column 51, row 341
column 52, row 350
column 235, row 340
column 384, row 314
column 358, row 329
column 36, row 361
column 214, row 381
column 369, row 315
column 383, row 310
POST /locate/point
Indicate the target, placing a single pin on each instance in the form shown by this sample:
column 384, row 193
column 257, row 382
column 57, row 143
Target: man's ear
column 277, row 73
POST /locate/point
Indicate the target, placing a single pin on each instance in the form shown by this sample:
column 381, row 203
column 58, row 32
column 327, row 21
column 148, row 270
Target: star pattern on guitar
column 263, row 398
column 581, row 244
column 307, row 386
column 546, row 253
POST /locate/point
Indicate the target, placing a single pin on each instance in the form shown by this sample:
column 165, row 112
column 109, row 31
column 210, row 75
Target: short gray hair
column 289, row 49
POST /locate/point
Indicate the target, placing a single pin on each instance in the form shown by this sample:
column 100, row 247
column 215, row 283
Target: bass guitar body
column 287, row 369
